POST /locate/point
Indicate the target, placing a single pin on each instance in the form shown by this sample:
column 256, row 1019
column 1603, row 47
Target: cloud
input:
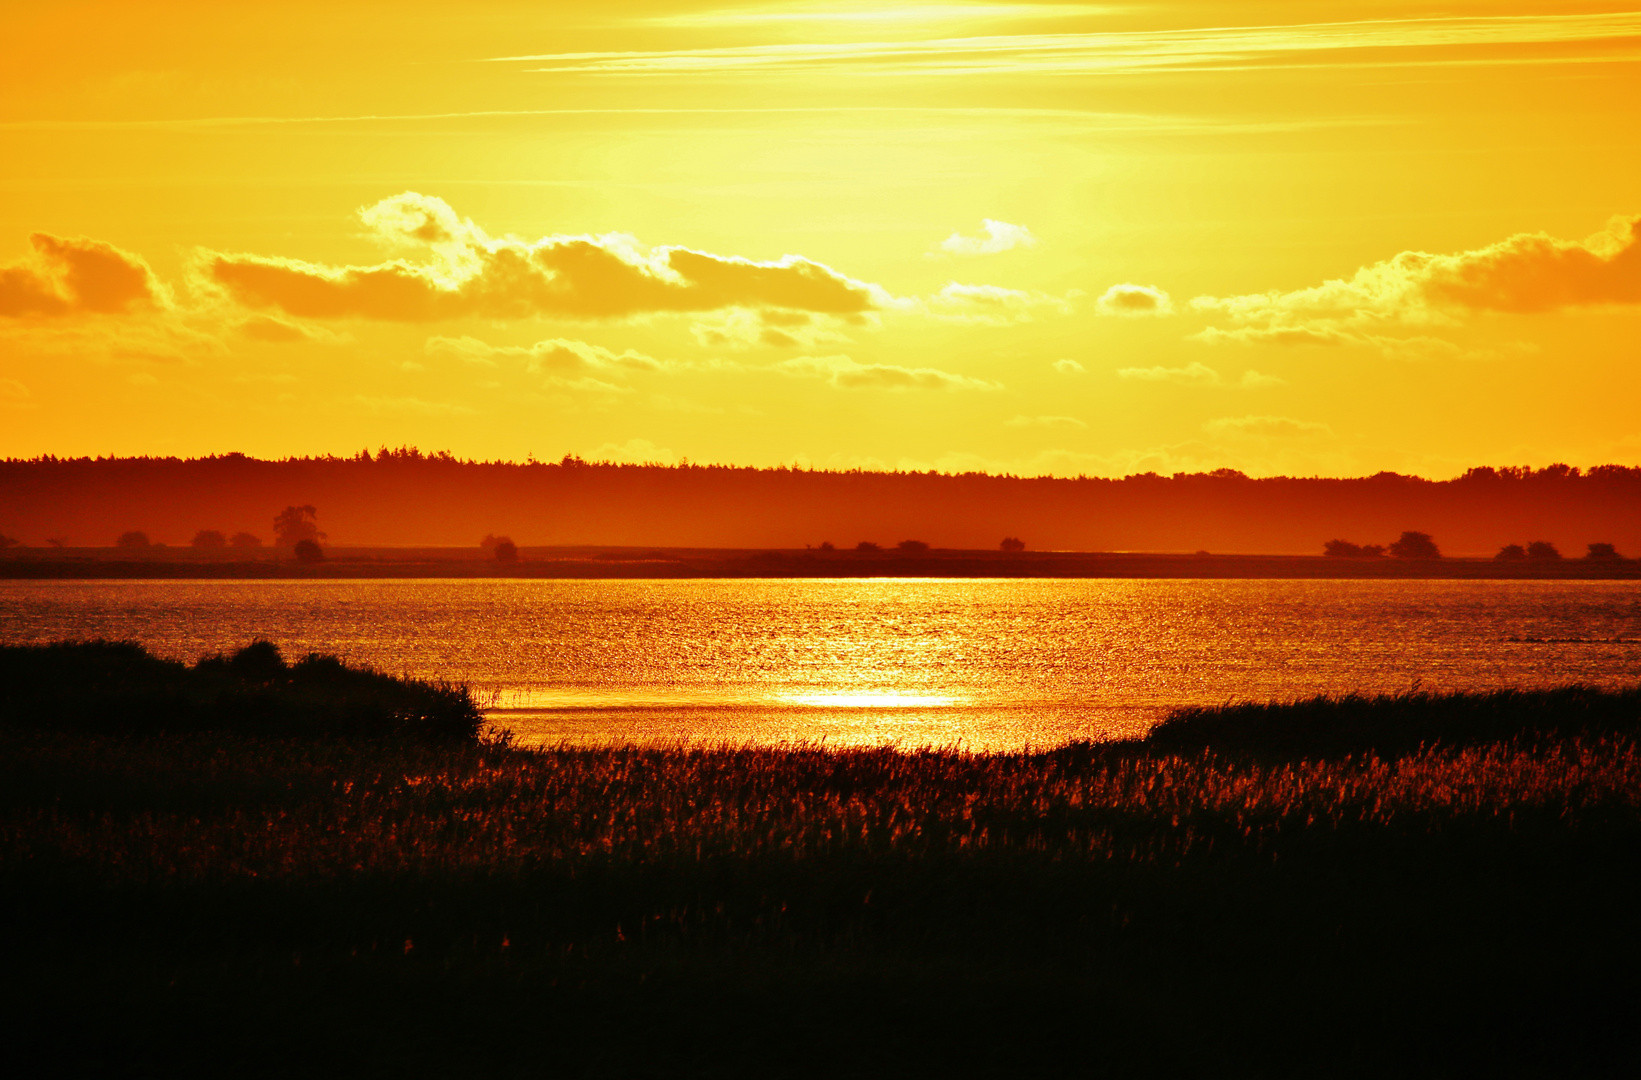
column 846, row 374
column 1266, row 427
column 14, row 395
column 1528, row 273
column 1044, row 422
column 999, row 236
column 77, row 276
column 558, row 356
column 741, row 329
column 1194, row 373
column 1069, row 367
column 1129, row 299
column 463, row 271
column 634, row 452
column 1365, row 42
column 988, row 304
column 272, row 331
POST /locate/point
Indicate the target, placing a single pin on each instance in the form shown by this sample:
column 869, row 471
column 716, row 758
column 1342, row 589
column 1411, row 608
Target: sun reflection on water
column 879, row 699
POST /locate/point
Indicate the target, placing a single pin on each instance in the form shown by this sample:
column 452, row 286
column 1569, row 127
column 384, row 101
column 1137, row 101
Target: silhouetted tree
column 295, row 524
column 867, row 545
column 1511, row 553
column 7, row 541
column 912, row 547
column 1012, row 544
column 1373, row 551
column 1415, row 545
column 209, row 538
column 826, row 545
column 1341, row 549
column 501, row 548
column 1542, row 551
column 1602, row 552
column 245, row 540
column 135, row 538
column 309, row 551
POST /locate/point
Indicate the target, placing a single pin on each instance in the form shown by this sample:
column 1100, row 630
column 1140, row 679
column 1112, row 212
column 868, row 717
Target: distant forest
column 406, row 497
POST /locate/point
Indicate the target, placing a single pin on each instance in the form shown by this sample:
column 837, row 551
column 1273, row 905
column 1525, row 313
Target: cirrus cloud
column 846, row 374
column 1266, row 427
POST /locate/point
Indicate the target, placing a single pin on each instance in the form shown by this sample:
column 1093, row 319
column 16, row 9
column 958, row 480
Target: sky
column 1284, row 237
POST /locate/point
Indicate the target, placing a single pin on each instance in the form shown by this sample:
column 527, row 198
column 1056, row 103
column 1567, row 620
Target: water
column 983, row 664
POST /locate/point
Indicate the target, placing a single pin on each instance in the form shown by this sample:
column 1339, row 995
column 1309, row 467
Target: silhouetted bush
column 1415, row 545
column 7, row 541
column 912, row 547
column 1012, row 544
column 209, row 538
column 245, row 540
column 135, row 538
column 119, row 686
column 1344, row 549
column 1511, row 553
column 308, row 551
column 1542, row 551
column 867, row 545
column 500, row 548
column 826, row 545
column 1602, row 552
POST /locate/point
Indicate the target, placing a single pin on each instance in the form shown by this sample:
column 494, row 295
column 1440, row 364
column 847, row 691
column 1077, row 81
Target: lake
column 983, row 664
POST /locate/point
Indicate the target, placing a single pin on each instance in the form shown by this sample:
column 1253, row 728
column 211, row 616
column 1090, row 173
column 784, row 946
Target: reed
column 1214, row 904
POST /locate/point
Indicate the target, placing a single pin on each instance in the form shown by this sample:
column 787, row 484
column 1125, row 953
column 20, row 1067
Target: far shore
column 648, row 562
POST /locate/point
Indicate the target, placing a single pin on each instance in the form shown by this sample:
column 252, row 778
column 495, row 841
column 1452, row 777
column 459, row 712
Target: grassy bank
column 1217, row 901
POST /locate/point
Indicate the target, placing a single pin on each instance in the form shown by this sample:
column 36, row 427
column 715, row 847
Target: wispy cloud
column 635, row 452
column 1267, row 427
column 992, row 305
column 1443, row 40
column 995, row 237
column 1061, row 422
column 846, row 374
column 557, row 355
column 878, row 14
column 1195, row 374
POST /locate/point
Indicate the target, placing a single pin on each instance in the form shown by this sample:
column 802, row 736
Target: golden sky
column 1283, row 237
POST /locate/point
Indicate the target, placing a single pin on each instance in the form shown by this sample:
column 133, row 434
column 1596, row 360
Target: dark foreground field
column 1303, row 890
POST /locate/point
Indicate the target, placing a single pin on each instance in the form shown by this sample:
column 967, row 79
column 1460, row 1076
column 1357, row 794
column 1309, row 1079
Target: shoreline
column 639, row 563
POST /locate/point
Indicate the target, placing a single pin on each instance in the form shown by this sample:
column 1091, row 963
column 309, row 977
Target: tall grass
column 1225, row 898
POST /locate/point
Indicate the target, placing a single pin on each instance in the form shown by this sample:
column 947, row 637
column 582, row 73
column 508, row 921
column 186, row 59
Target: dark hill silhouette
column 406, row 497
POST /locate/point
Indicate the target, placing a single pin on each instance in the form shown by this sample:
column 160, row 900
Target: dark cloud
column 67, row 277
